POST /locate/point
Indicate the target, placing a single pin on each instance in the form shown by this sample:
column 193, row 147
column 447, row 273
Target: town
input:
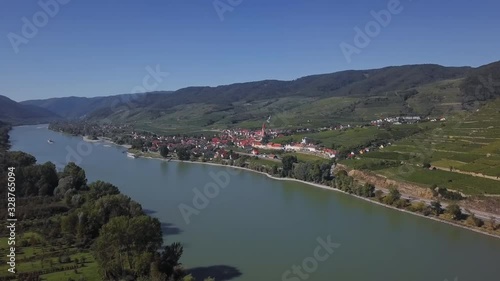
column 230, row 143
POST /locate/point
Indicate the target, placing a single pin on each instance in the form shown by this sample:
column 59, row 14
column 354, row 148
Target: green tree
column 168, row 260
column 100, row 189
column 137, row 144
column 183, row 153
column 454, row 210
column 288, row 161
column 436, row 207
column 78, row 174
column 367, row 190
column 164, row 151
column 125, row 245
column 474, row 221
column 48, row 179
column 19, row 159
column 393, row 196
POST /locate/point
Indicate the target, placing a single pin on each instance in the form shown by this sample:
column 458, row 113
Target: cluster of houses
column 256, row 142
column 221, row 144
column 397, row 120
column 404, row 120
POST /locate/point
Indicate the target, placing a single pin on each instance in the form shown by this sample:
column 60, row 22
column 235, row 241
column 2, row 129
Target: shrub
column 454, row 210
column 474, row 221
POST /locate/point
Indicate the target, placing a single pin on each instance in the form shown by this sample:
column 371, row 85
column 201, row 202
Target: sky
column 57, row 48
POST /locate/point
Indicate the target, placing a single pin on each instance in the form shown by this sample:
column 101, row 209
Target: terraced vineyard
column 465, row 151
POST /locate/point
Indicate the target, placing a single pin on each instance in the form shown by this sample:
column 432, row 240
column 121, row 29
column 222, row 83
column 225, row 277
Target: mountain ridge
column 18, row 114
column 355, row 95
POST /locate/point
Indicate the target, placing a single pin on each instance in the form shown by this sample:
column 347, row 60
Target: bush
column 454, row 210
column 474, row 221
column 401, row 203
column 417, row 207
column 379, row 195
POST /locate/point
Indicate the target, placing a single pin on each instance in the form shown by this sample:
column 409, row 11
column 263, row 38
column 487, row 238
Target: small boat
column 50, row 141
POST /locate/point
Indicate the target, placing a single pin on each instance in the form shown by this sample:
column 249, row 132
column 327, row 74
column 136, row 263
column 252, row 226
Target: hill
column 318, row 100
column 17, row 114
column 80, row 107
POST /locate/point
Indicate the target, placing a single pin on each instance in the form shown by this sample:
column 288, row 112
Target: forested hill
column 16, row 113
column 78, row 107
column 355, row 95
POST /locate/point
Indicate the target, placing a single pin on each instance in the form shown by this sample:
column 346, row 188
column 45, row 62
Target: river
column 251, row 227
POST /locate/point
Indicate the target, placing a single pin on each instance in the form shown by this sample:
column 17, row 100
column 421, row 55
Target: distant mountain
column 316, row 100
column 80, row 107
column 16, row 113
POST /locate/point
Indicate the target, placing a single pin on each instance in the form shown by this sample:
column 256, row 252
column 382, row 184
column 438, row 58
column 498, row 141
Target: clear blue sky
column 97, row 47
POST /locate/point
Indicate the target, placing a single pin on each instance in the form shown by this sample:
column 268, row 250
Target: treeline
column 322, row 173
column 92, row 129
column 69, row 213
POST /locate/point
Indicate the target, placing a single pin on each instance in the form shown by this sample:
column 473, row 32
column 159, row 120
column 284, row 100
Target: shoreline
column 317, row 185
column 105, row 140
column 325, row 187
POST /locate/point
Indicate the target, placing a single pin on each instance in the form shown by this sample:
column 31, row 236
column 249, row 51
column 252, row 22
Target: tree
column 393, row 196
column 126, row 244
column 19, row 159
column 183, row 153
column 168, row 260
column 164, row 151
column 48, row 179
column 436, row 207
column 474, row 221
column 367, row 190
column 394, row 192
column 78, row 174
column 137, row 144
column 100, row 189
column 454, row 210
column 288, row 161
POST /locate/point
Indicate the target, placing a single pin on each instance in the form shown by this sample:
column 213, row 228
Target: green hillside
column 465, row 151
column 355, row 97
column 17, row 114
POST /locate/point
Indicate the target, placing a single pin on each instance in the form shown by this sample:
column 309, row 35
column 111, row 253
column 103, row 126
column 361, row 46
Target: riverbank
column 106, row 140
column 426, row 201
column 317, row 185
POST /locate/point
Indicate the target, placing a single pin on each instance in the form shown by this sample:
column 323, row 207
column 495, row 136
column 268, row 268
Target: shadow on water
column 149, row 212
column 218, row 272
column 170, row 229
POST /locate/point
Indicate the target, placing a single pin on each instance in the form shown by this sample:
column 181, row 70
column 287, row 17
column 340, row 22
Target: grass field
column 43, row 256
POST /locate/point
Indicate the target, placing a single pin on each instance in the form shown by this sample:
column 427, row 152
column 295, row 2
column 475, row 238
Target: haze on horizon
column 91, row 48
